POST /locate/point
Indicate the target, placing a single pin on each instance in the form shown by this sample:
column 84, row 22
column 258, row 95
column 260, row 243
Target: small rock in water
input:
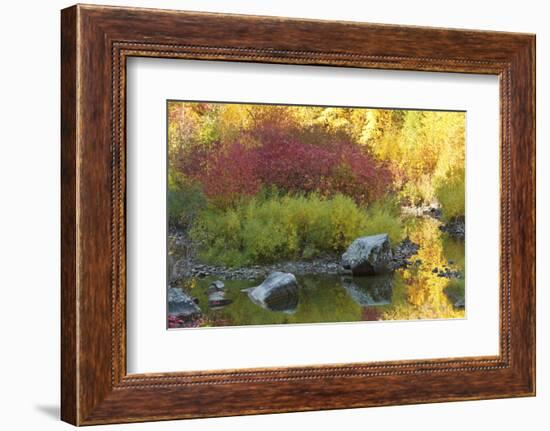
column 278, row 292
column 449, row 273
column 217, row 299
column 402, row 254
column 215, row 286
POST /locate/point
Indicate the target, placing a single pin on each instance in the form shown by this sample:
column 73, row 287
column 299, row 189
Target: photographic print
column 291, row 214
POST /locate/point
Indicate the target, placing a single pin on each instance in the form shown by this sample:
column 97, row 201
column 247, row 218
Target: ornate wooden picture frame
column 96, row 41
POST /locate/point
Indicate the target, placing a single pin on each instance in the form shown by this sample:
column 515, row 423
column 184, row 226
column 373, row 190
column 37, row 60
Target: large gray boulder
column 182, row 305
column 369, row 255
column 369, row 291
column 278, row 292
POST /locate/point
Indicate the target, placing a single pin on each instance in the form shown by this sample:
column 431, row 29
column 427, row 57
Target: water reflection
column 369, row 291
column 417, row 292
column 425, row 295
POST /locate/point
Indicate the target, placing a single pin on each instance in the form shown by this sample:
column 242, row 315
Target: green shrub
column 450, row 193
column 266, row 230
column 383, row 216
column 185, row 201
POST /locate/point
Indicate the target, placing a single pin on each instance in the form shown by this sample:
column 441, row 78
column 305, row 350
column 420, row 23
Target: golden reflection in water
column 424, row 296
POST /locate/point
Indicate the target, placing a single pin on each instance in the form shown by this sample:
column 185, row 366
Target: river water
column 417, row 292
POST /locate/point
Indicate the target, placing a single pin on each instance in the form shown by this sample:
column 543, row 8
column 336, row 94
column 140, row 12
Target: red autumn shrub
column 293, row 166
column 338, row 167
column 229, row 171
column 358, row 174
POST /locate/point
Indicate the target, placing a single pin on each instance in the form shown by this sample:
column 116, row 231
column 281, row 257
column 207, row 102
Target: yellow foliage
column 420, row 147
column 425, row 290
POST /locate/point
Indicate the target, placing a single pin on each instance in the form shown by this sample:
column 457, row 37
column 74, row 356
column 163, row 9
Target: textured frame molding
column 96, row 41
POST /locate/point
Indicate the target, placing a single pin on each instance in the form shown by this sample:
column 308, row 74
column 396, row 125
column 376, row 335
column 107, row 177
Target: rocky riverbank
column 364, row 270
column 424, row 210
column 456, row 228
column 185, row 264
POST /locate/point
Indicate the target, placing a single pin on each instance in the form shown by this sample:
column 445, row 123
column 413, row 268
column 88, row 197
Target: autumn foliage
column 256, row 183
column 273, row 157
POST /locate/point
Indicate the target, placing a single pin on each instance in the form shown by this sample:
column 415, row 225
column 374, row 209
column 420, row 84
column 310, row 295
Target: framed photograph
column 264, row 215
